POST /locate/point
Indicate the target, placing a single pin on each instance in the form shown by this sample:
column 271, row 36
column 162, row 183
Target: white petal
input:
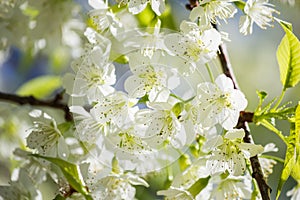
column 245, row 25
column 68, row 82
column 135, row 87
column 135, row 180
column 228, row 118
column 137, row 6
column 270, row 147
column 158, row 6
column 224, row 82
column 235, row 134
column 79, row 110
column 97, row 4
column 62, row 148
column 253, row 149
column 196, row 12
column 172, row 42
column 213, row 142
column 162, row 95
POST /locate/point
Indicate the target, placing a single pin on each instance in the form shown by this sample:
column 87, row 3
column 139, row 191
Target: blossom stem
column 211, row 76
column 180, row 99
column 54, row 103
column 273, row 158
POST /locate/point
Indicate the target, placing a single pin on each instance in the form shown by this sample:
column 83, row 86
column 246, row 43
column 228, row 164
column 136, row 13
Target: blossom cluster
column 40, row 26
column 140, row 101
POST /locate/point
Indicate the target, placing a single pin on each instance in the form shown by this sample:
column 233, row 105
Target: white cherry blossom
column 148, row 41
column 109, row 114
column 148, row 77
column 94, row 81
column 103, row 19
column 294, row 193
column 130, row 142
column 229, row 153
column 161, row 125
column 259, row 12
column 266, row 163
column 107, row 184
column 176, row 193
column 95, row 75
column 88, row 129
column 194, row 44
column 219, row 103
column 45, row 136
column 183, row 181
column 209, row 11
column 231, row 187
column 22, row 188
column 115, row 109
column 137, row 6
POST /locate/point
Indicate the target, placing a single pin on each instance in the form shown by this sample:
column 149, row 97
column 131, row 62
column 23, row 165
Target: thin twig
column 192, row 4
column 54, row 103
column 257, row 172
column 245, row 117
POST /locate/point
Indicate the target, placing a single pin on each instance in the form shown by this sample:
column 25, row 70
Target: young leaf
column 40, row 87
column 289, row 162
column 290, row 158
column 288, row 57
column 71, row 173
column 296, row 169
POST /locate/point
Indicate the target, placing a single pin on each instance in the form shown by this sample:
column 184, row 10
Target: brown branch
column 30, row 100
column 225, row 62
column 192, row 4
column 245, row 117
column 257, row 173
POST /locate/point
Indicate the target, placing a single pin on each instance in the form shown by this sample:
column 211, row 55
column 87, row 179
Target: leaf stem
column 269, row 126
column 278, row 101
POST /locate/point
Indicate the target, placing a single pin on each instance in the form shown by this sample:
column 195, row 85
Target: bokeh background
column 253, row 59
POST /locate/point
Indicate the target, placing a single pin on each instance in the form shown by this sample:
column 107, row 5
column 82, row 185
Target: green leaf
column 40, row 87
column 288, row 57
column 198, row 186
column 291, row 162
column 296, row 169
column 71, row 173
